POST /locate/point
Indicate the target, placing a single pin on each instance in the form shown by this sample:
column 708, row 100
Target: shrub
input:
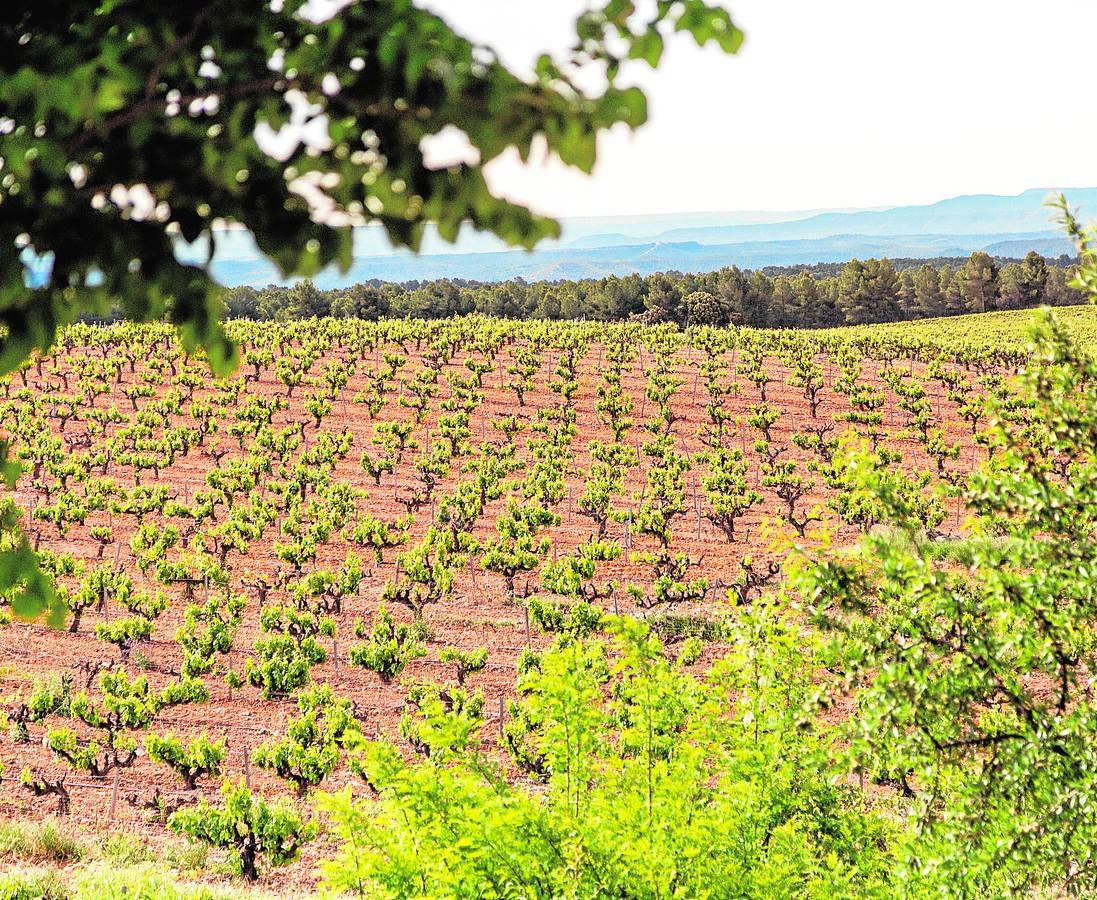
column 190, row 761
column 311, row 748
column 283, row 660
column 249, row 828
column 577, row 621
column 391, row 646
column 692, row 648
column 440, row 720
column 468, row 661
column 973, row 681
column 661, row 786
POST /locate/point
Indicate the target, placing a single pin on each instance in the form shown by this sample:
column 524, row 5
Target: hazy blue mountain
column 1050, row 247
column 595, row 247
column 644, row 259
column 582, row 233
column 593, row 231
column 974, row 214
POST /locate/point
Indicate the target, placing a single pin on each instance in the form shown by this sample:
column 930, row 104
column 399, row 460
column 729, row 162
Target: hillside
column 293, row 500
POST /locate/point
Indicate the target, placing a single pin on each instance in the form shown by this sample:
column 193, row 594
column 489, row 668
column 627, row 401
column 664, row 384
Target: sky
column 852, row 103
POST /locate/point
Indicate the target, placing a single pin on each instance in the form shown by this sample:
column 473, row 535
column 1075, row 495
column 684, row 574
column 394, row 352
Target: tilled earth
column 479, row 612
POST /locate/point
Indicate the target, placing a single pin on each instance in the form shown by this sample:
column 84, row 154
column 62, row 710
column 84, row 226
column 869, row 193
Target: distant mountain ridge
column 966, row 215
column 1000, row 225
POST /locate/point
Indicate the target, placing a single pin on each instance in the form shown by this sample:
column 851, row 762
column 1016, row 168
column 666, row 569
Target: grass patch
column 673, row 626
column 106, row 882
column 959, row 551
column 127, row 850
column 32, row 884
column 962, row 550
column 187, row 856
column 40, row 842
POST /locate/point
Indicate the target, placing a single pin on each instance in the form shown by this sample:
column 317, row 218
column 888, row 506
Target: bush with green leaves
column 284, row 658
column 667, row 786
column 864, row 498
column 973, row 682
column 208, row 630
column 321, row 592
column 51, row 696
column 124, row 633
column 604, row 483
column 426, row 572
column 440, row 720
column 390, row 647
column 579, row 620
column 378, row 535
column 690, row 651
column 190, row 760
column 467, row 661
column 518, row 548
column 252, row 830
column 101, row 586
column 314, row 741
column 572, row 574
column 790, row 487
column 124, row 705
column 729, row 495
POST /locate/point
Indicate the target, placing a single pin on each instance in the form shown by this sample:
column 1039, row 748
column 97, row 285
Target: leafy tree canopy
column 127, row 124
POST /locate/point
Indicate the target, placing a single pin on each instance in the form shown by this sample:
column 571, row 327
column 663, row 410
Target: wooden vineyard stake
column 114, row 796
column 526, row 609
column 502, row 712
column 697, row 504
column 335, row 652
column 247, row 767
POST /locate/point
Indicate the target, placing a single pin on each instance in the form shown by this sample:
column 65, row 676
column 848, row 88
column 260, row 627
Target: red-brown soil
column 477, row 614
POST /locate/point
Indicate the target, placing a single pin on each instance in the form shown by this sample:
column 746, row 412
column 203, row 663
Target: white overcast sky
column 828, row 104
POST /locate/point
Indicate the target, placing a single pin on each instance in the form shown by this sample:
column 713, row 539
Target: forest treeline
column 855, row 293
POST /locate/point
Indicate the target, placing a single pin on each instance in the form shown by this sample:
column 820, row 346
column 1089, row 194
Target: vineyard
column 373, row 520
